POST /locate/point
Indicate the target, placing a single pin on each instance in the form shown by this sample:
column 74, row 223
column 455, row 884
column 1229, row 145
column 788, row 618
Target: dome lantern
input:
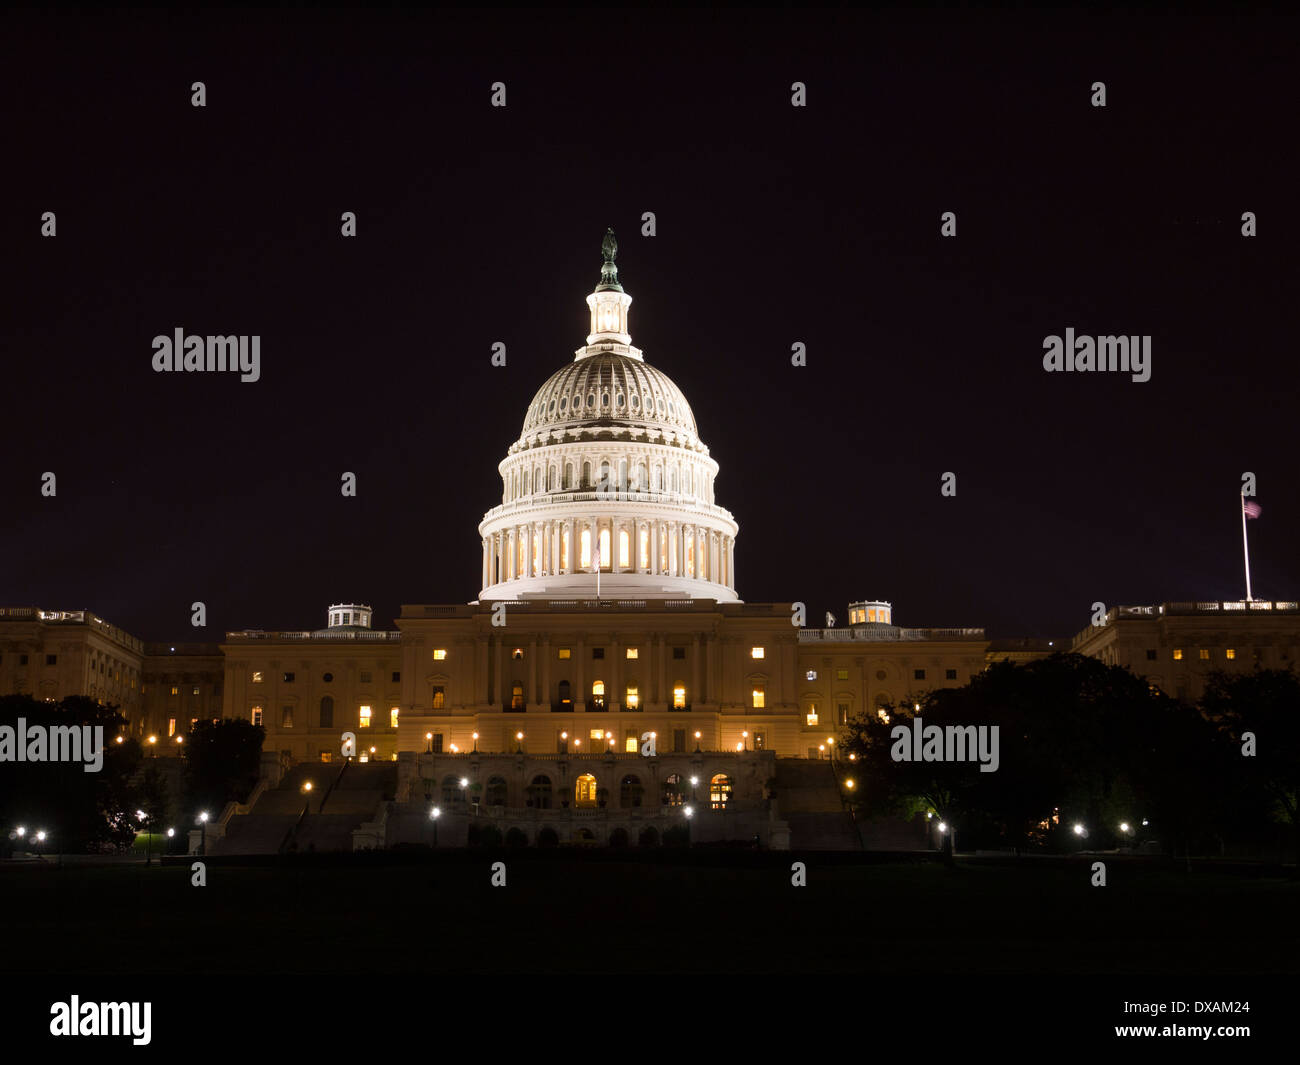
column 609, row 304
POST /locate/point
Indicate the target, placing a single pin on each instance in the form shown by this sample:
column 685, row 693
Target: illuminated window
column 719, row 790
column 679, row 697
column 584, row 790
column 606, row 559
column 757, row 694
column 327, row 756
column 812, row 715
column 689, row 548
column 1230, row 653
column 630, row 744
column 171, row 726
column 517, row 653
column 1205, row 654
column 194, row 691
column 624, row 549
column 645, row 549
column 439, row 698
column 175, row 690
column 1178, row 654
column 631, row 652
column 257, row 715
column 517, row 697
column 584, row 549
column 564, row 531
column 841, row 674
column 286, row 717
column 842, row 709
column 596, row 734
column 439, row 655
column 598, row 695
column 674, row 793
column 633, row 699
column 392, row 717
column 565, row 653
column 365, row 717
column 757, row 652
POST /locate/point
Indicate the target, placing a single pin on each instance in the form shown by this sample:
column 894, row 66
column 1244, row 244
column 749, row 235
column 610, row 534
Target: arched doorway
column 720, row 791
column 584, row 791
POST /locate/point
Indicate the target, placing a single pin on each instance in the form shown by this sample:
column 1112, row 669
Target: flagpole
column 1244, row 546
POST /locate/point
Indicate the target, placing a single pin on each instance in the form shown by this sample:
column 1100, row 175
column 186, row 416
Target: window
column 630, row 744
column 596, row 735
column 436, row 743
column 194, row 691
column 679, row 653
column 171, row 726
column 288, row 678
column 327, row 712
column 397, row 677
column 674, row 793
column 719, row 790
column 1230, row 653
column 565, row 653
column 1151, row 654
column 175, row 690
column 566, row 695
column 22, row 660
column 841, row 674
column 812, row 715
column 256, row 715
column 392, row 717
column 1178, row 654
column 327, row 677
column 598, row 652
column 365, row 677
column 757, row 697
column 584, row 791
column 517, row 653
column 918, row 674
column 760, row 741
column 365, row 717
column 757, row 652
column 439, row 697
column 633, row 699
column 439, row 655
column 286, row 717
column 679, row 741
column 630, row 791
column 598, row 695
column 516, row 696
column 1205, row 654
column 327, row 756
column 631, row 652
column 51, row 659
column 257, row 676
column 679, row 697
column 539, row 791
column 842, row 712
column 950, row 674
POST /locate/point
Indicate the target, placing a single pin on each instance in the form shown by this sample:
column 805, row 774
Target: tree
column 222, row 762
column 1259, row 712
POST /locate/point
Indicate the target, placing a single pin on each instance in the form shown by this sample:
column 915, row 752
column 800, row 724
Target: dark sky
column 775, row 225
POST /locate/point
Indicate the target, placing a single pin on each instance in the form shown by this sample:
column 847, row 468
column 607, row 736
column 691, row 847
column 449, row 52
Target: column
column 731, row 563
column 615, row 533
column 484, row 567
column 694, row 696
column 654, row 546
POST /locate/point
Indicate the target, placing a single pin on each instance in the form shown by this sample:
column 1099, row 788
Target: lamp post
column 203, row 829
column 40, row 838
column 476, row 743
column 434, row 814
column 519, row 743
column 306, row 798
column 744, row 740
column 697, row 741
column 694, row 781
column 428, row 738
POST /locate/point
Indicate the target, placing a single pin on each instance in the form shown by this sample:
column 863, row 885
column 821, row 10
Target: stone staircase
column 808, row 797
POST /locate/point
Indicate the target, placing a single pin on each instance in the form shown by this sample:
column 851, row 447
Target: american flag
column 1253, row 510
column 595, row 557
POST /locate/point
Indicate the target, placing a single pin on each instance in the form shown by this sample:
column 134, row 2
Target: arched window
column 566, row 697
column 689, row 548
column 624, row 549
column 439, row 697
column 679, row 696
column 327, row 712
column 674, row 791
column 630, row 791
column 584, row 549
column 540, row 792
column 606, row 560
column 452, row 793
column 564, row 546
column 527, row 479
column 672, row 487
column 586, row 475
column 516, row 696
column 598, row 695
column 719, row 791
column 584, row 790
column 568, row 475
column 496, row 792
column 758, row 697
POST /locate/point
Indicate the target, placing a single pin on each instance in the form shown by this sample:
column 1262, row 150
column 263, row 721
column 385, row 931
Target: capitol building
column 607, row 678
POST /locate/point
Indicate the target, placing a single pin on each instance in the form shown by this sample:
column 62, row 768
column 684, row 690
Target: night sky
column 775, row 225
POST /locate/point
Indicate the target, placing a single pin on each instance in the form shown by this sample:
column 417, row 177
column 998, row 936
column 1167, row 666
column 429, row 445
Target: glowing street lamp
column 821, row 750
column 697, row 741
column 203, row 829
column 434, row 814
column 519, row 743
column 694, row 781
column 689, row 811
column 40, row 838
column 428, row 737
column 744, row 739
column 476, row 743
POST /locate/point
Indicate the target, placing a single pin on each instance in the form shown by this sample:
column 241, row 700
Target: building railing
column 361, row 635
column 887, row 634
column 529, row 504
column 1241, row 607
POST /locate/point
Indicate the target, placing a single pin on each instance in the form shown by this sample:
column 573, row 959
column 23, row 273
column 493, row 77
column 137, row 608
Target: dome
column 609, row 389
